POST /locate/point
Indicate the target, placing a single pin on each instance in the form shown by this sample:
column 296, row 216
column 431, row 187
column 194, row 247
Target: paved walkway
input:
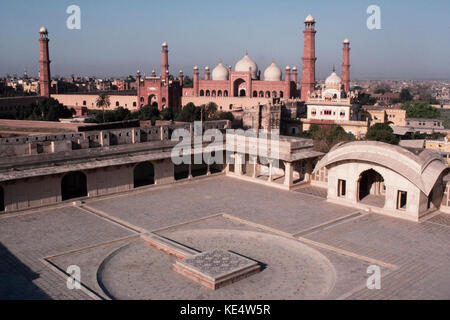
column 36, row 248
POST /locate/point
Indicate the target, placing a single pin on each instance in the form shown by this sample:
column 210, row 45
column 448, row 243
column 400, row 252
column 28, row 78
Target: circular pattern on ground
column 291, row 270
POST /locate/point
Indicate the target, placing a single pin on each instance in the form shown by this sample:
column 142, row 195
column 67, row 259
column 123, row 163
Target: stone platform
column 217, row 268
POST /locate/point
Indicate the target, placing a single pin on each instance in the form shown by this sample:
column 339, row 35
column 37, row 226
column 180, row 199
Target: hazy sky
column 119, row 37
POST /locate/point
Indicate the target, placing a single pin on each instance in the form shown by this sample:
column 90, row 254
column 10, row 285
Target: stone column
column 288, row 174
column 308, row 170
column 238, row 164
column 255, row 166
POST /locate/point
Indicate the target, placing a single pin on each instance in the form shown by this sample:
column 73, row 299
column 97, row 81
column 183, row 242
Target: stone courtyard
column 307, row 248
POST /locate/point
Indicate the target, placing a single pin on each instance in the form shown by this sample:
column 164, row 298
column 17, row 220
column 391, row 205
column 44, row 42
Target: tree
column 365, row 99
column 405, row 95
column 420, row 109
column 381, row 132
column 103, row 102
column 211, row 110
column 148, row 113
column 187, row 82
column 382, row 88
column 45, row 110
column 327, row 137
column 167, row 114
column 189, row 113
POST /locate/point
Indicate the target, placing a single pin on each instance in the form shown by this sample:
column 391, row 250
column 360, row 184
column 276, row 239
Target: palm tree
column 103, row 102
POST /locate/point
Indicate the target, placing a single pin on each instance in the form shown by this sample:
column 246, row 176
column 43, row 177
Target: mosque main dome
column 333, row 79
column 220, row 72
column 244, row 64
column 272, row 73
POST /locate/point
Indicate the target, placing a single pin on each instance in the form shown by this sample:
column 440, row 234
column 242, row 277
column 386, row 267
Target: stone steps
column 171, row 247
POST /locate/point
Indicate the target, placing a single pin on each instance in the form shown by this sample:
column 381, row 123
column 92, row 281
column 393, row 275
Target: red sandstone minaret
column 196, row 74
column 181, row 78
column 165, row 62
column 309, row 58
column 294, row 75
column 346, row 66
column 44, row 62
column 207, row 73
column 138, row 86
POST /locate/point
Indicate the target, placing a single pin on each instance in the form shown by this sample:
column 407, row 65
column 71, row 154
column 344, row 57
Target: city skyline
column 202, row 33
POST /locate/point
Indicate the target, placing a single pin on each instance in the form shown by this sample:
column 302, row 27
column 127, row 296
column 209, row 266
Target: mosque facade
column 244, row 86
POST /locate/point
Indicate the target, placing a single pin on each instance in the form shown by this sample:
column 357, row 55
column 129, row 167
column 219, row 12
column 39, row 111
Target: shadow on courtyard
column 16, row 279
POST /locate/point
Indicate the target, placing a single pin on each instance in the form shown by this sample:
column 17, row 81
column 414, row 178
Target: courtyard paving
column 311, row 249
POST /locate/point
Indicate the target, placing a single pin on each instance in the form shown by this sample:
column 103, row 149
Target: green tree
column 189, row 113
column 327, row 137
column 148, row 113
column 224, row 116
column 405, row 95
column 381, row 132
column 420, row 109
column 211, row 110
column 365, row 99
column 187, row 82
column 167, row 114
column 103, row 102
column 383, row 88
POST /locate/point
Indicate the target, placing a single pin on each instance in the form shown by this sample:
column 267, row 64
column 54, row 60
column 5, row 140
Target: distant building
column 389, row 114
column 333, row 106
column 385, row 98
column 425, row 125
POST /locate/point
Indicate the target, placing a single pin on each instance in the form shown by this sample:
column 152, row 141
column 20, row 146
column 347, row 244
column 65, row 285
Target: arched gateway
column 144, row 174
column 371, row 188
column 73, row 185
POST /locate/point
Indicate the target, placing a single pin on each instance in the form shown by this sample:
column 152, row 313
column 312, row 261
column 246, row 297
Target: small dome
column 164, row 44
column 244, row 64
column 309, row 18
column 43, row 30
column 206, row 68
column 220, row 72
column 294, row 68
column 346, row 40
column 196, row 68
column 272, row 73
column 333, row 79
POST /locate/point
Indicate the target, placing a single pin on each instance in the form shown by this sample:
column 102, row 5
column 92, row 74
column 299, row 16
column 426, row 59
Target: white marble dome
column 244, row 64
column 309, row 18
column 346, row 40
column 333, row 79
column 43, row 30
column 220, row 72
column 272, row 73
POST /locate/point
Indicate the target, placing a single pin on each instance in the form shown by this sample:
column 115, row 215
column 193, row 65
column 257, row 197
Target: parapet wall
column 225, row 103
column 42, row 144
